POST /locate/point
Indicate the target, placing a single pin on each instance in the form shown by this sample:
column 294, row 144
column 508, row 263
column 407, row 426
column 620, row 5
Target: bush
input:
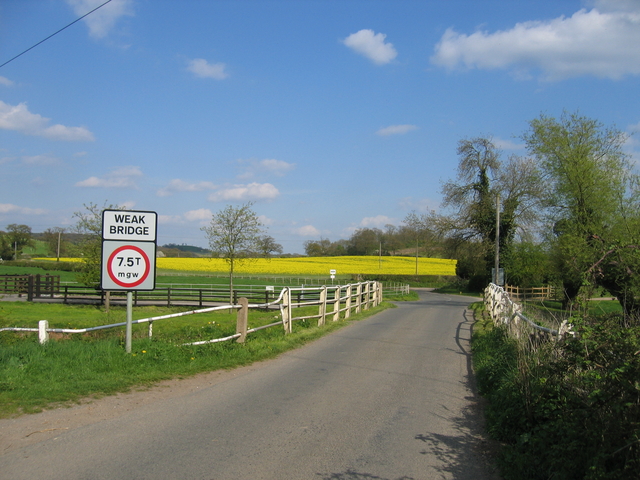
column 564, row 411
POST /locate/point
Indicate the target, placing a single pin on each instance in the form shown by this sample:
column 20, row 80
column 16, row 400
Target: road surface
column 389, row 397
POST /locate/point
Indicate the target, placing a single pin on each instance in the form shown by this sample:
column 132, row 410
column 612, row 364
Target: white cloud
column 6, row 82
column 251, row 191
column 396, row 130
column 123, row 177
column 10, row 208
column 203, row 69
column 200, row 215
column 599, row 43
column 40, row 160
column 18, row 118
column 378, row 221
column 177, row 185
column 307, row 231
column 104, row 19
column 268, row 166
column 371, row 45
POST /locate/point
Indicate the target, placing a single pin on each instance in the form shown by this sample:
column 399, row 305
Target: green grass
column 72, row 367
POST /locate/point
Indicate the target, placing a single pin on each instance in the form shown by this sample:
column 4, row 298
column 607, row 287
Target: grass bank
column 73, row 367
column 561, row 411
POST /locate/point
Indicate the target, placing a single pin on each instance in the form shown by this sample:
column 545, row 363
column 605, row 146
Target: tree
column 267, row 246
column 89, row 225
column 472, row 200
column 56, row 244
column 18, row 237
column 234, row 234
column 590, row 203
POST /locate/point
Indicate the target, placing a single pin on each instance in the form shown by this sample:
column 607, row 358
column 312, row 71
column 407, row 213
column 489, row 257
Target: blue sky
column 329, row 115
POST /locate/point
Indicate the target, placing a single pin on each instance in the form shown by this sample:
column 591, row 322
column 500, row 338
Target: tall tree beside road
column 470, row 227
column 592, row 201
column 235, row 234
column 89, row 224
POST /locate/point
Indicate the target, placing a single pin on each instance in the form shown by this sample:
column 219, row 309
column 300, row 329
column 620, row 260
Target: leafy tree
column 365, row 241
column 55, row 241
column 590, row 202
column 89, row 225
column 6, row 249
column 267, row 246
column 234, row 234
column 18, row 237
column 472, row 200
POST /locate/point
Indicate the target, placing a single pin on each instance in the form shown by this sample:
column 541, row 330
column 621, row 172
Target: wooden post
column 347, row 311
column 358, row 297
column 336, row 304
column 322, row 309
column 242, row 319
column 286, row 310
column 30, row 289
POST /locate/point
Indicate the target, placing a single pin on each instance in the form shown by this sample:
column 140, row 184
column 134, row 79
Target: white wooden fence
column 504, row 311
column 332, row 302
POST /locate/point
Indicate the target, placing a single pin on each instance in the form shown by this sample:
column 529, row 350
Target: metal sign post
column 128, row 255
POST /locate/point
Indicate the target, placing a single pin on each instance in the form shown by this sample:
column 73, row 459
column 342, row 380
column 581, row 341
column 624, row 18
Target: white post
column 129, row 320
column 347, row 311
column 336, row 304
column 323, row 306
column 286, row 310
column 43, row 335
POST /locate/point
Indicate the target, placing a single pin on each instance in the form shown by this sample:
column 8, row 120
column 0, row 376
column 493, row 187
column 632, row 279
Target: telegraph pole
column 497, row 264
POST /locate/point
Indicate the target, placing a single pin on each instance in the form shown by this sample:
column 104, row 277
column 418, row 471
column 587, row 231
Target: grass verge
column 74, row 367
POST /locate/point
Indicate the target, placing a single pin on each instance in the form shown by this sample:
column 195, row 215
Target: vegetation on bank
column 568, row 410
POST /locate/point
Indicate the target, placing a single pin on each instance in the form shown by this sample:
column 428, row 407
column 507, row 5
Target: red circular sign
column 128, row 266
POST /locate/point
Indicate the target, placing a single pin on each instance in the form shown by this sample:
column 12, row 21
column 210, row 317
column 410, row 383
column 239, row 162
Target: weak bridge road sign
column 128, row 250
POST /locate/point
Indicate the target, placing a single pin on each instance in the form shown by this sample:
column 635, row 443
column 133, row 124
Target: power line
column 63, row 28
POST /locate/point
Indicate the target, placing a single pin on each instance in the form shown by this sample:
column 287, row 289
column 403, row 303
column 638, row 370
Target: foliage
column 470, row 227
column 234, row 234
column 14, row 240
column 591, row 201
column 56, row 243
column 89, row 225
column 568, row 410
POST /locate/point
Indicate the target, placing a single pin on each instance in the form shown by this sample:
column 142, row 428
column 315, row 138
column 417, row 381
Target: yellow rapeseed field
column 311, row 265
column 316, row 265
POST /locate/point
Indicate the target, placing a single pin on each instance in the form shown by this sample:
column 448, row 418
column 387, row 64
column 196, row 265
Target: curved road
column 389, row 397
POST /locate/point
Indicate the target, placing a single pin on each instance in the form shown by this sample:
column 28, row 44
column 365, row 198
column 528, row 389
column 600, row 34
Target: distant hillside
column 186, row 248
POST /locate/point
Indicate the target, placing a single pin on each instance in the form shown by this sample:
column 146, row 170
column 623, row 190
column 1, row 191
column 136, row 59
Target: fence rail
column 48, row 288
column 333, row 302
column 504, row 311
column 532, row 293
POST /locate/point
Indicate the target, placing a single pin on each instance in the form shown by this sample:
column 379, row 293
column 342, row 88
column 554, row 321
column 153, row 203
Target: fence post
column 347, row 312
column 322, row 309
column 43, row 335
column 30, row 289
column 285, row 308
column 168, row 296
column 242, row 319
column 336, row 304
column 358, row 297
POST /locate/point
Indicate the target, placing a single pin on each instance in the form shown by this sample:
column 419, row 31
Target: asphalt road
column 389, row 397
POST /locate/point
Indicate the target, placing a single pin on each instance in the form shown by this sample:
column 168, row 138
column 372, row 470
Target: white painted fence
column 333, row 302
column 504, row 311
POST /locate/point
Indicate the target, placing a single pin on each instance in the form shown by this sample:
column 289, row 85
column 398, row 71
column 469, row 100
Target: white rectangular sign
column 129, row 225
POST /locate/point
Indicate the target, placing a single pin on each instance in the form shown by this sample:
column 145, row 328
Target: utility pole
column 497, row 264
